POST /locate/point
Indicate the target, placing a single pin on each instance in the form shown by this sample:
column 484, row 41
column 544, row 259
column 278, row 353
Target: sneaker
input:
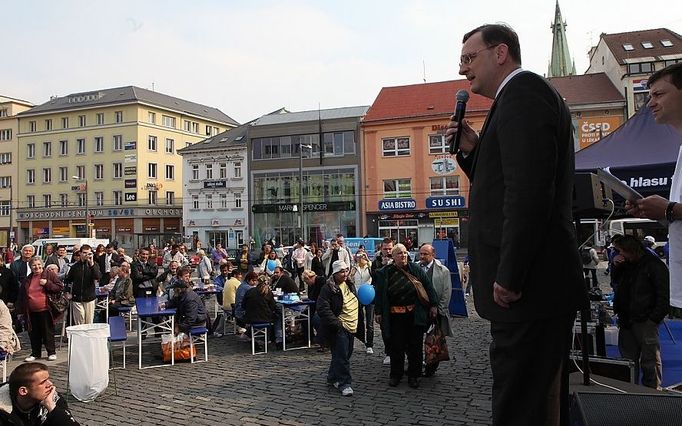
column 335, row 384
column 52, row 357
column 30, row 358
column 387, row 360
column 241, row 330
column 347, row 391
column 217, row 335
column 370, row 351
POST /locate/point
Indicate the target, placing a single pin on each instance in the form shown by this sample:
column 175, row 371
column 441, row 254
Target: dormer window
column 628, row 47
column 647, row 45
column 667, row 43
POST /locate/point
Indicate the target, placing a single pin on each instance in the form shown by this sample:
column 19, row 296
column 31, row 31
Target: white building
column 215, row 189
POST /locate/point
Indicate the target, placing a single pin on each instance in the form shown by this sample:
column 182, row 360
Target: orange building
column 414, row 190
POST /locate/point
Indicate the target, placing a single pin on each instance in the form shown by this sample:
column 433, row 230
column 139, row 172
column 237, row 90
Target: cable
column 603, row 225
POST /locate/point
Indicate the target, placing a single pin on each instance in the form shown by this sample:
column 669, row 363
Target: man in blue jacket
column 191, row 311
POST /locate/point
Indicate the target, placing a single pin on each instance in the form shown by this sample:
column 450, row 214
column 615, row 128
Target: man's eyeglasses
column 468, row 58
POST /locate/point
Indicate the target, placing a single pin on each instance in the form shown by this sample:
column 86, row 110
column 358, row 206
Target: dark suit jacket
column 520, row 230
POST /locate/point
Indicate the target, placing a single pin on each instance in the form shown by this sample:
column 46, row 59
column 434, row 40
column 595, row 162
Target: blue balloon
column 271, row 265
column 366, row 294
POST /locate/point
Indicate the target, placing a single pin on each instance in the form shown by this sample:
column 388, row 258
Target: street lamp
column 87, row 208
column 301, row 220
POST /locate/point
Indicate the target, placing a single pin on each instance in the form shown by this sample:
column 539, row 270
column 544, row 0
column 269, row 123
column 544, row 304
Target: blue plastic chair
column 118, row 333
column 198, row 335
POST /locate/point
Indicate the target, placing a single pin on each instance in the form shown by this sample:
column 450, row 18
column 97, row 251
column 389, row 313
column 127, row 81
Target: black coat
column 140, row 273
column 521, row 233
column 8, row 285
column 81, row 281
column 286, row 284
column 191, row 311
column 329, row 305
column 643, row 291
column 259, row 308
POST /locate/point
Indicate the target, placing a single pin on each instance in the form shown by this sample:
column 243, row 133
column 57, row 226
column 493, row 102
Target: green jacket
column 421, row 314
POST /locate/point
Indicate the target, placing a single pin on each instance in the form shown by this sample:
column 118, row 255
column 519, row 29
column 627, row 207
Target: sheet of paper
column 617, row 185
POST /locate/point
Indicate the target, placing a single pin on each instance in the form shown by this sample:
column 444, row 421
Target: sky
column 249, row 58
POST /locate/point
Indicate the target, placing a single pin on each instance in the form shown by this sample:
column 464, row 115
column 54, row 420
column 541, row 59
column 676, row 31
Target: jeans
column 341, row 349
column 406, row 338
column 369, row 325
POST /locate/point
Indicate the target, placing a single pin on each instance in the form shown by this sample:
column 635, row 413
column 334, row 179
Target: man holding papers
column 665, row 87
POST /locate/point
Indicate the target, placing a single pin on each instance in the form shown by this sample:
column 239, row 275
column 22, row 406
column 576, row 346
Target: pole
column 11, row 205
column 87, row 212
column 300, row 191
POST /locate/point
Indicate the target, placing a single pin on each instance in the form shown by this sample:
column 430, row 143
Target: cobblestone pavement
column 237, row 388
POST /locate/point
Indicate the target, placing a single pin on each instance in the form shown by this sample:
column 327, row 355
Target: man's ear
column 502, row 53
column 23, row 391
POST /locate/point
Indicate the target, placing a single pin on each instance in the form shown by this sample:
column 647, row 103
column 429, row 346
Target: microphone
column 460, row 108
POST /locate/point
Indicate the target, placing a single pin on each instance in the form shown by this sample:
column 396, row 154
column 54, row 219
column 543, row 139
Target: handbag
column 435, row 345
column 418, row 286
column 57, row 302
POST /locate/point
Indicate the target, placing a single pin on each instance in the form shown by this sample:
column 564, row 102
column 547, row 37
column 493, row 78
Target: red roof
column 587, row 89
column 422, row 101
column 616, row 43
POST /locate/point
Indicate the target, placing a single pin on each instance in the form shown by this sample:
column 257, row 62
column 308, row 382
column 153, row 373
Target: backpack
column 585, row 256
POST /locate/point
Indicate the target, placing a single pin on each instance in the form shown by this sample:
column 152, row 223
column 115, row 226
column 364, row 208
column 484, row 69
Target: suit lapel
column 480, row 138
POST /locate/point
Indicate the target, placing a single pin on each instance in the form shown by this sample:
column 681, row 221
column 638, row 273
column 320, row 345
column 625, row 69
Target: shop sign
column 592, row 129
column 152, row 186
column 445, row 202
column 307, row 207
column 397, row 204
column 151, row 229
column 445, row 222
column 211, row 184
column 398, row 216
column 130, row 146
column 444, row 165
column 124, row 229
column 130, row 170
column 130, row 158
column 131, row 196
column 130, row 183
column 443, row 214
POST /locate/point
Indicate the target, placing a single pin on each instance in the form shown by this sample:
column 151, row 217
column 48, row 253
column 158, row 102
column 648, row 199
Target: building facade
column 305, row 175
column 9, row 128
column 414, row 189
column 628, row 59
column 105, row 163
column 216, row 190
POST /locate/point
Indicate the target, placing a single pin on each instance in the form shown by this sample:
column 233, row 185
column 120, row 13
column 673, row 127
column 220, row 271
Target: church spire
column 561, row 64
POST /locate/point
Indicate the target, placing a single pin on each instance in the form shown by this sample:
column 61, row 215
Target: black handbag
column 58, row 303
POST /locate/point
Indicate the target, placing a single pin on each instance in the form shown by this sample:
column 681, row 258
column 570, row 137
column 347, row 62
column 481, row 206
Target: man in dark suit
column 108, row 259
column 525, row 266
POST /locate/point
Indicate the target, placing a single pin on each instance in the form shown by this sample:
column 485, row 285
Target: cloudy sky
column 252, row 57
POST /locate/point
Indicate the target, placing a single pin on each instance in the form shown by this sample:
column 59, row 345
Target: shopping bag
column 182, row 347
column 435, row 346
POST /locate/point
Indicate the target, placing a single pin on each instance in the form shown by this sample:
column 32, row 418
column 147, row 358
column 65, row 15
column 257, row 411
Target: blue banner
column 445, row 202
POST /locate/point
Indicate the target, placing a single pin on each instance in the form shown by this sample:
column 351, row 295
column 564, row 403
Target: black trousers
column 41, row 332
column 530, row 375
column 406, row 338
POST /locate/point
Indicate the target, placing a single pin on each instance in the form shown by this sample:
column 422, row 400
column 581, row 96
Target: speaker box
column 589, row 195
column 620, row 409
column 618, row 369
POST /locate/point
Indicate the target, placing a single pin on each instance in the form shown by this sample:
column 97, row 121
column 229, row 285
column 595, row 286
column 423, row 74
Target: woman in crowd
column 259, row 307
column 167, row 277
column 267, row 266
column 122, row 294
column 361, row 274
column 316, row 264
column 245, row 260
column 34, row 306
column 310, row 255
column 205, row 267
column 250, row 281
column 403, row 313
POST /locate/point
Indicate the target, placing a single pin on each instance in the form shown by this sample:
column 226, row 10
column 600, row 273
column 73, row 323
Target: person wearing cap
column 191, row 311
column 341, row 320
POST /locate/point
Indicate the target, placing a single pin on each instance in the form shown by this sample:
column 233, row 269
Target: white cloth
column 675, row 239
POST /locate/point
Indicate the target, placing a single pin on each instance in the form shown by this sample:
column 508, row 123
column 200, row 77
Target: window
column 237, row 169
column 223, row 201
column 65, row 122
column 100, row 118
column 30, row 176
column 223, row 170
column 63, row 174
column 398, row 188
column 47, row 175
column 211, row 130
column 81, row 199
column 31, row 201
column 5, row 208
column 99, row 144
column 80, row 172
column 168, row 121
column 151, row 143
column 151, row 117
column 99, row 199
column 444, row 185
column 628, row 47
column 641, row 68
column 195, row 127
column 195, row 201
column 188, row 144
column 188, row 125
column 209, row 171
column 437, row 144
column 5, row 134
column 209, row 201
column 47, row 200
column 82, row 122
column 6, row 158
column 31, row 150
column 666, row 43
column 170, row 146
column 170, row 172
column 151, row 170
column 63, row 147
column 170, row 198
column 195, row 172
column 47, row 149
column 118, row 198
column 80, row 146
column 99, row 171
column 118, row 116
column 118, row 170
column 32, row 127
column 48, row 124
column 63, row 200
column 238, row 200
column 3, row 112
column 5, row 181
column 335, row 144
column 396, row 146
column 118, row 143
column 152, row 198
column 647, row 45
